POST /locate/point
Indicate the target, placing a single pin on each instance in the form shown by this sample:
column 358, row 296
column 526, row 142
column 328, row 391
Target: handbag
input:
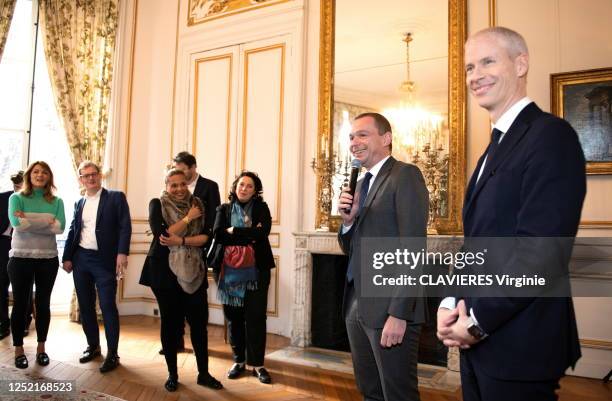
column 239, row 256
column 214, row 257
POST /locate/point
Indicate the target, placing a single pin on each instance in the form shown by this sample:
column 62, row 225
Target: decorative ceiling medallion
column 206, row 10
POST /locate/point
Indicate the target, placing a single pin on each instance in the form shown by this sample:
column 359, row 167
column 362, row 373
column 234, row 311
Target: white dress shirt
column 88, row 225
column 193, row 184
column 504, row 123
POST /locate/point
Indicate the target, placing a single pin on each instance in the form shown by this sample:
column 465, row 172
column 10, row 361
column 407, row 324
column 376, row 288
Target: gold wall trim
column 274, row 243
column 274, row 273
column 229, row 109
column 457, row 34
column 277, row 216
column 596, row 344
column 122, row 297
column 131, row 85
column 326, row 74
column 600, row 224
column 178, row 15
column 492, row 13
column 129, row 96
column 191, row 20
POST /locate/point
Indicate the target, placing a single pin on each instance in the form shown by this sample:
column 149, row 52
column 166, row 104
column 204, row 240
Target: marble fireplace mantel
column 307, row 244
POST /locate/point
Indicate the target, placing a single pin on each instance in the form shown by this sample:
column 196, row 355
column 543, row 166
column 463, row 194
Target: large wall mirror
column 404, row 59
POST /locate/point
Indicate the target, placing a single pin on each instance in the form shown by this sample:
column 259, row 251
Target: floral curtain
column 79, row 42
column 6, row 15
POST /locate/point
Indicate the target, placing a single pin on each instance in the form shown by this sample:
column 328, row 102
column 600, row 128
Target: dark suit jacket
column 5, row 243
column 156, row 271
column 534, row 186
column 4, row 220
column 113, row 227
column 257, row 236
column 396, row 206
column 208, row 192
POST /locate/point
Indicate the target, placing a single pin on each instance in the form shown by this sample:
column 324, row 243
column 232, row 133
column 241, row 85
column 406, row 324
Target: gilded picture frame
column 457, row 34
column 584, row 99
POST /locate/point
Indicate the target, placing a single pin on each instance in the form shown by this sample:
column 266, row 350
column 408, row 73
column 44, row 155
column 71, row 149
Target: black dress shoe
column 235, row 371
column 206, row 380
column 21, row 362
column 263, row 375
column 42, row 358
column 110, row 363
column 171, row 384
column 89, row 354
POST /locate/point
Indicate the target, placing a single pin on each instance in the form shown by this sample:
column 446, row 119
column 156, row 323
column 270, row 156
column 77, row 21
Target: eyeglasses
column 88, row 176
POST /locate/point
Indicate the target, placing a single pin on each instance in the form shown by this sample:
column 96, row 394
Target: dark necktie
column 363, row 194
column 495, row 135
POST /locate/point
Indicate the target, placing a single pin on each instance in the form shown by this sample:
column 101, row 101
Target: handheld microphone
column 355, row 168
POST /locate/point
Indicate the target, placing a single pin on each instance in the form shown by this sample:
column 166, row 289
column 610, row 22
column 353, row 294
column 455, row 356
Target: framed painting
column 206, row 10
column 584, row 99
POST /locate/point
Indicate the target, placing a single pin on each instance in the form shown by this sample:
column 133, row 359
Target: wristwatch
column 474, row 329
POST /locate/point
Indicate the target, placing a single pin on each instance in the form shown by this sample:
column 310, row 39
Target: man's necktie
column 363, row 194
column 495, row 135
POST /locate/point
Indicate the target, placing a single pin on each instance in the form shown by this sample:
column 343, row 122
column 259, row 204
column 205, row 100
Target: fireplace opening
column 328, row 329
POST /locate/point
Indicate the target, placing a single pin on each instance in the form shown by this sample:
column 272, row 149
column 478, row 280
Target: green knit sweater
column 34, row 234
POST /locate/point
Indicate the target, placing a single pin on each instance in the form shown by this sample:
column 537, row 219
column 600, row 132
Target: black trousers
column 476, row 385
column 174, row 306
column 247, row 323
column 23, row 272
column 382, row 374
column 91, row 273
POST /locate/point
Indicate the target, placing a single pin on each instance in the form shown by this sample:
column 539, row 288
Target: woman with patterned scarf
column 175, row 271
column 243, row 226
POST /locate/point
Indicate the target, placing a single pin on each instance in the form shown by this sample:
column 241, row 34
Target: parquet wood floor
column 143, row 372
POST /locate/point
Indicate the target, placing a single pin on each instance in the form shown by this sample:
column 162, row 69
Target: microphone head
column 356, row 163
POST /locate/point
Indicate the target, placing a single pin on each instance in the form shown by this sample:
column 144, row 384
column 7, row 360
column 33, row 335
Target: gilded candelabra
column 434, row 166
column 325, row 168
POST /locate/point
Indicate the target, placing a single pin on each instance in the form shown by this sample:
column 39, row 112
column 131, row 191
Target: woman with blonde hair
column 175, row 271
column 37, row 216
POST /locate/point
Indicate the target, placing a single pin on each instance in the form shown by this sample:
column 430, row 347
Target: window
column 22, row 107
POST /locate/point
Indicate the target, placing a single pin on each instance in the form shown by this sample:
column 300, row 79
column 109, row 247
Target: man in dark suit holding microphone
column 391, row 201
column 530, row 182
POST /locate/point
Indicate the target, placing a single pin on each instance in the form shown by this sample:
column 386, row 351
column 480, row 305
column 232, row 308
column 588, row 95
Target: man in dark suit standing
column 391, row 201
column 96, row 251
column 5, row 247
column 208, row 192
column 530, row 182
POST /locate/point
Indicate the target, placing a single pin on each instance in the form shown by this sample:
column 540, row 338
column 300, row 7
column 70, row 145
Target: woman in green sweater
column 37, row 216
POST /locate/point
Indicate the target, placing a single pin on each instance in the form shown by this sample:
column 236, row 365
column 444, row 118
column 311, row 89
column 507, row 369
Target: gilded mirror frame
column 457, row 31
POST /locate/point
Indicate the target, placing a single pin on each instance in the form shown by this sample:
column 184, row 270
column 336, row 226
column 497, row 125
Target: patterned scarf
column 185, row 261
column 238, row 270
